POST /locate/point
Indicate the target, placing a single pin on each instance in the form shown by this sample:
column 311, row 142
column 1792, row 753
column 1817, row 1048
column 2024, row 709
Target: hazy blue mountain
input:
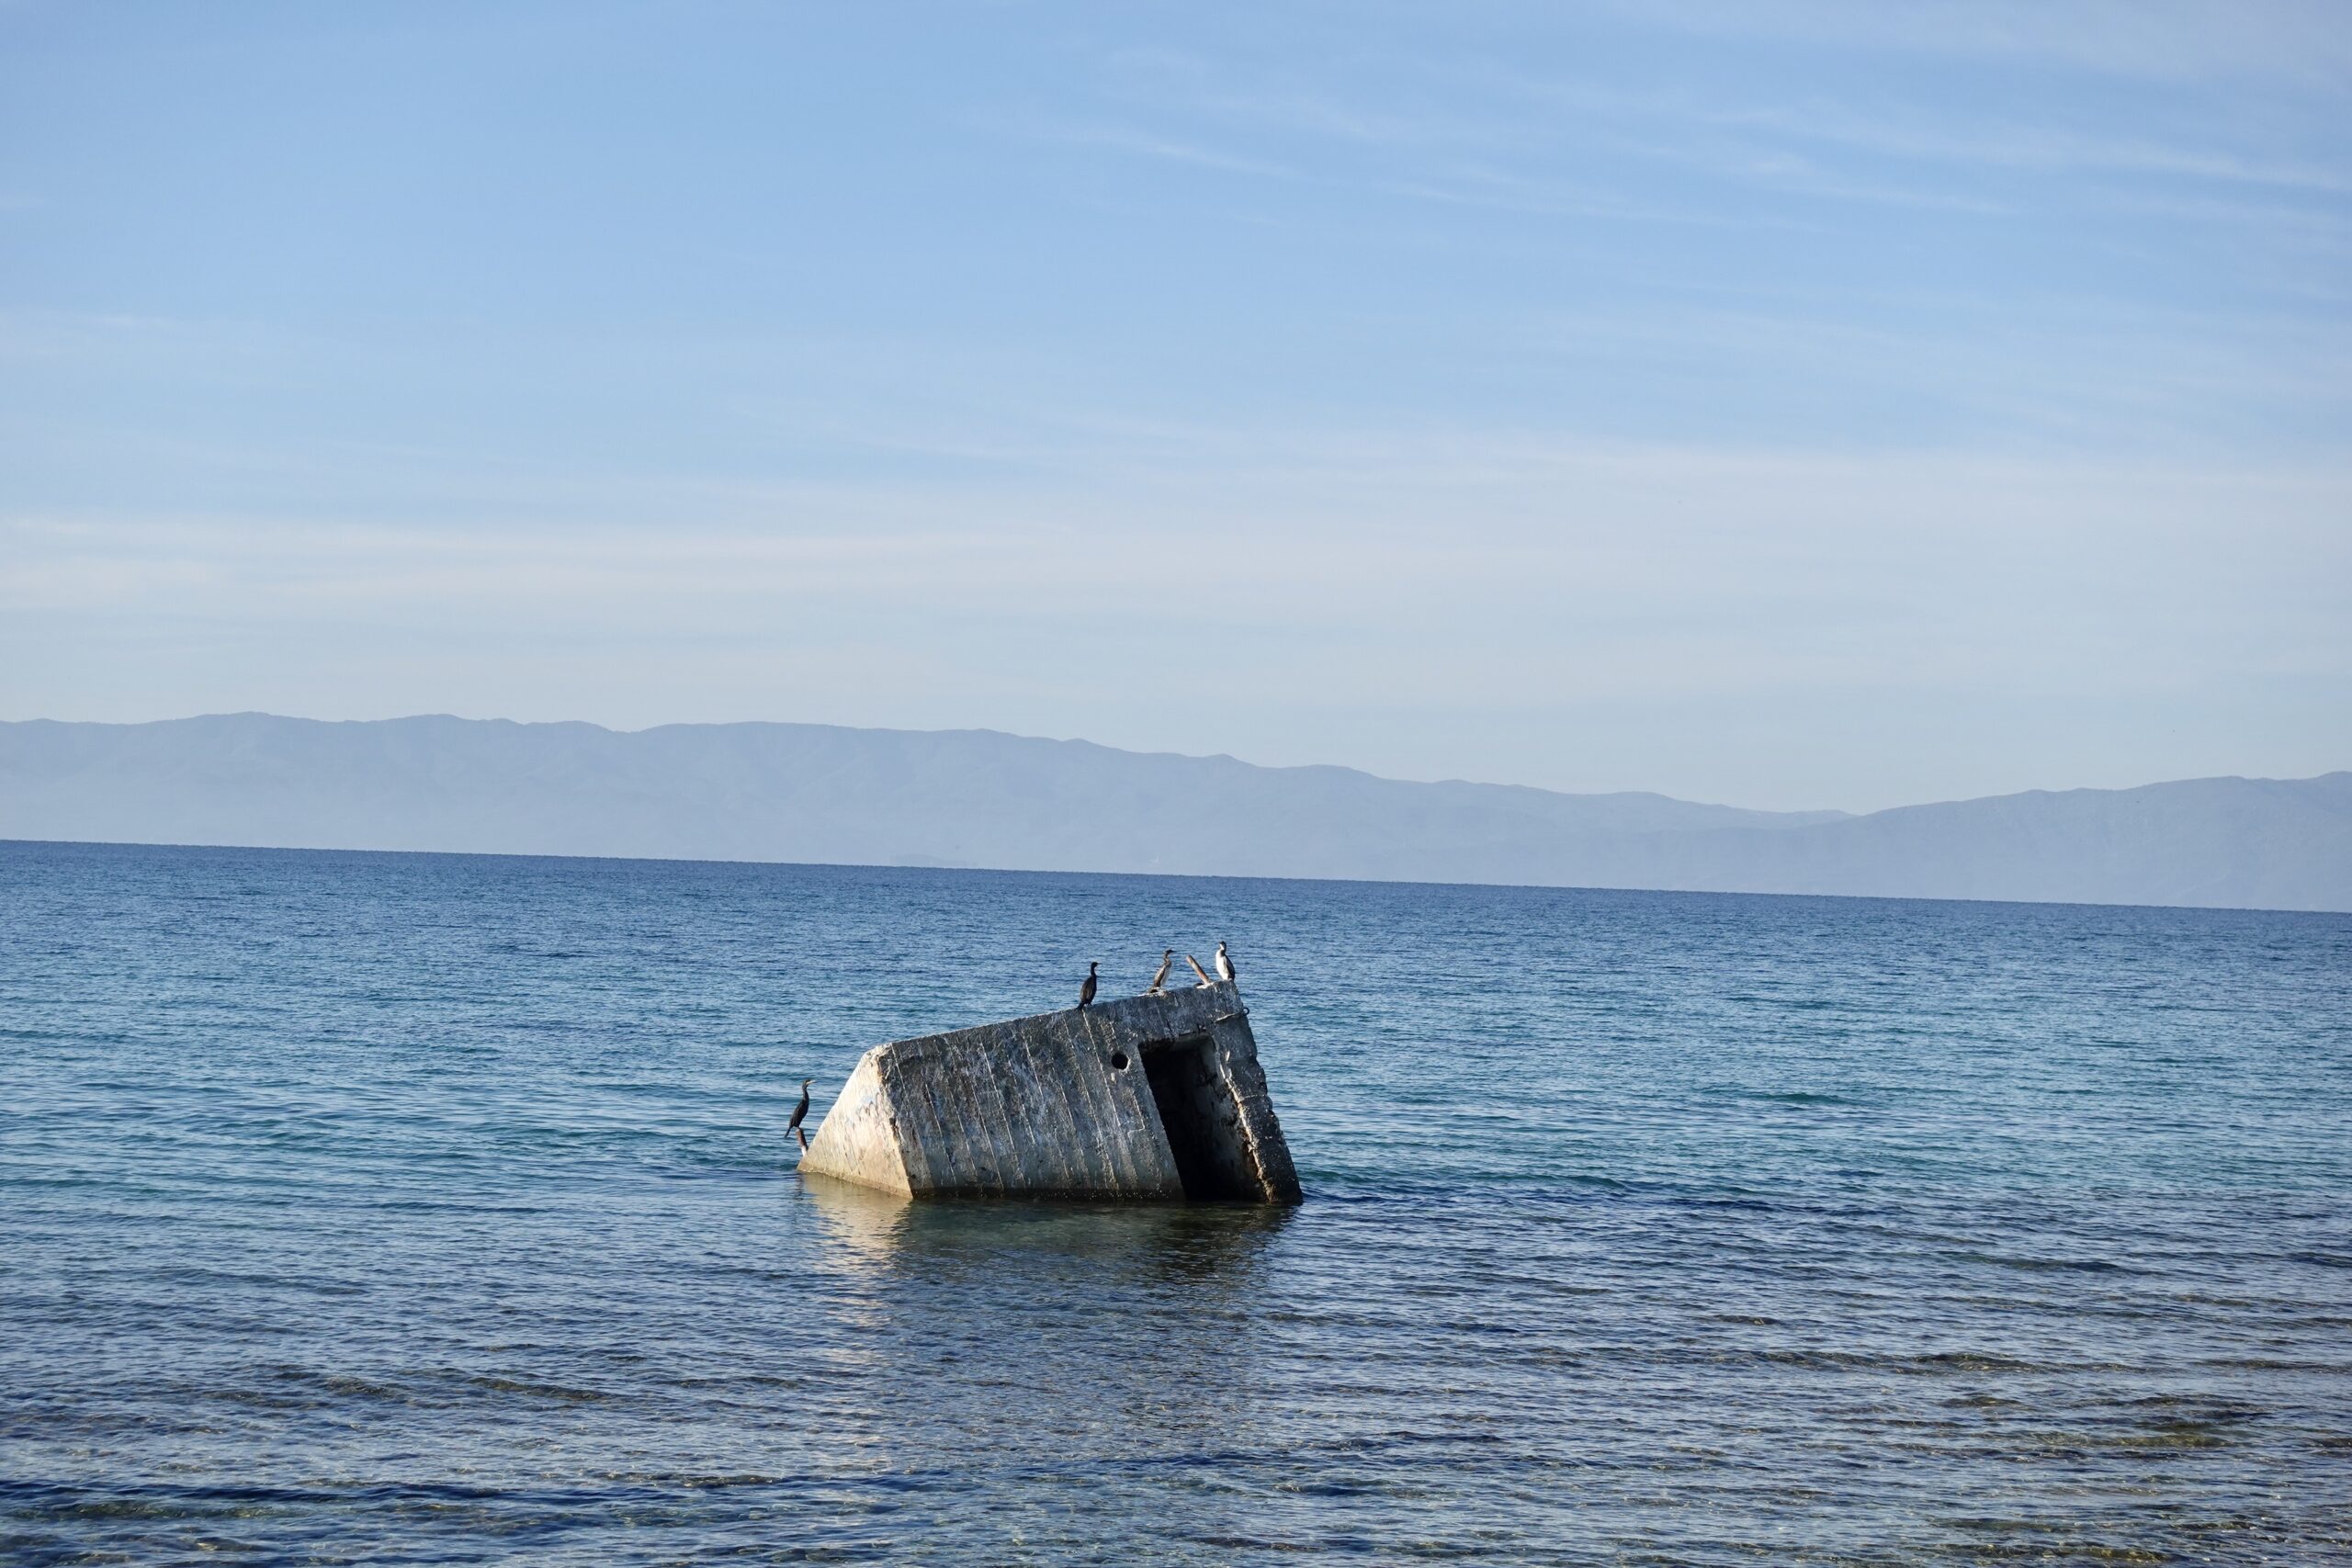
column 796, row 791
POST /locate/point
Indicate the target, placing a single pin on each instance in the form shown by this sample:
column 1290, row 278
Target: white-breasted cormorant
column 1224, row 964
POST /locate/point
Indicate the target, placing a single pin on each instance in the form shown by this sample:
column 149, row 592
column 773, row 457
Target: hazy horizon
column 1164, row 751
column 986, row 800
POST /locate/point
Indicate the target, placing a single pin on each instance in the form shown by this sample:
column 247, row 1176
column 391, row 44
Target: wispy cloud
column 1148, row 144
column 2301, row 42
column 2010, row 145
column 1410, row 118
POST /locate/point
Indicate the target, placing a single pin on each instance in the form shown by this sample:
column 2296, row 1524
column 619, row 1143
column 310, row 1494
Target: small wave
column 2047, row 1265
column 535, row 1390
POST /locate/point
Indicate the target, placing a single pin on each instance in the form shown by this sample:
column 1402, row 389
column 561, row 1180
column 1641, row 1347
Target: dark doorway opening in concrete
column 1203, row 1123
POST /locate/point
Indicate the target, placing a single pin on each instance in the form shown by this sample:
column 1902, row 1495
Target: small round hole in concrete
column 1119, row 1060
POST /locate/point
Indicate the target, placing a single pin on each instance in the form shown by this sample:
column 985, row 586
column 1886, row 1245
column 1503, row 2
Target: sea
column 411, row 1208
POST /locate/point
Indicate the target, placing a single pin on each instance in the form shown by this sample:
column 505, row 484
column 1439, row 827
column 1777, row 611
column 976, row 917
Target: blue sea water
column 437, row 1209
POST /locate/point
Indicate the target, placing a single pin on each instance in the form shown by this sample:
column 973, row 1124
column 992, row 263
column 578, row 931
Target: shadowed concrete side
column 1150, row 1097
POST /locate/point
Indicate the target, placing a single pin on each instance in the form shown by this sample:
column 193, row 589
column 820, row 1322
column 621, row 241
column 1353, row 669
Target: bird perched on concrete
column 1204, row 974
column 800, row 1113
column 1224, row 964
column 1159, row 980
column 1086, row 992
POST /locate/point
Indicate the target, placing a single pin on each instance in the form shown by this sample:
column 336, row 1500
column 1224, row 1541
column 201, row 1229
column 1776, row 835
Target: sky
column 1791, row 404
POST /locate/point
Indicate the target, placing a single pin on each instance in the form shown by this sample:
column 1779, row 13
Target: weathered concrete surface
column 1149, row 1097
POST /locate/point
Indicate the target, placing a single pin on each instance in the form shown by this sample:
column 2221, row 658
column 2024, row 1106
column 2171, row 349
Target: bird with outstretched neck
column 800, row 1113
column 1159, row 980
column 1224, row 964
column 1086, row 991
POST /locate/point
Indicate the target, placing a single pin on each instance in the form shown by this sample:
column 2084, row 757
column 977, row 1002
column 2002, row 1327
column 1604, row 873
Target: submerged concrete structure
column 1151, row 1097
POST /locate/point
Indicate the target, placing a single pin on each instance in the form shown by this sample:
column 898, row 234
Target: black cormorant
column 1086, row 992
column 1166, row 962
column 800, row 1111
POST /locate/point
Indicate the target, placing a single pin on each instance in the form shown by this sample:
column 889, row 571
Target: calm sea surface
column 411, row 1208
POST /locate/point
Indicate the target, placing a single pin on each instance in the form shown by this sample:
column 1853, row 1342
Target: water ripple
column 436, row 1209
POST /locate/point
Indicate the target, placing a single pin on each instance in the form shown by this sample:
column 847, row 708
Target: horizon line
column 9, row 843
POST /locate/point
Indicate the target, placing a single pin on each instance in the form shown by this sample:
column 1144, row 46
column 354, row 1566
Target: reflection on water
column 1213, row 1248
column 861, row 1224
column 1083, row 1331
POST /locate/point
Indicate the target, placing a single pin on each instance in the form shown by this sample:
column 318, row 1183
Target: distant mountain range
column 818, row 792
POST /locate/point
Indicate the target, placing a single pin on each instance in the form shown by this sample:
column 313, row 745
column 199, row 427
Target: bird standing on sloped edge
column 800, row 1113
column 1159, row 980
column 1224, row 964
column 1086, row 991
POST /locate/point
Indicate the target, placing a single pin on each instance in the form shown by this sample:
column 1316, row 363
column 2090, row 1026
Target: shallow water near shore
column 414, row 1208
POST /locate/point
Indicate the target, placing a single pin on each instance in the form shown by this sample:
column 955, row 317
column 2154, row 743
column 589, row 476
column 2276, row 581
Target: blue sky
column 1790, row 405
